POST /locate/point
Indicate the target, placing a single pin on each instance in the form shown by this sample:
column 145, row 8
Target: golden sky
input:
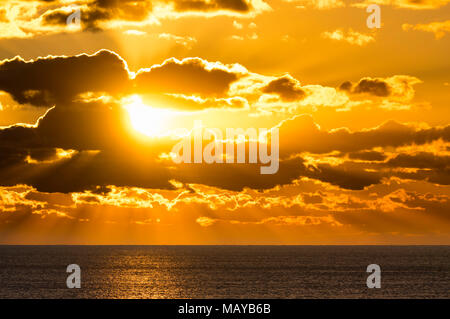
column 89, row 115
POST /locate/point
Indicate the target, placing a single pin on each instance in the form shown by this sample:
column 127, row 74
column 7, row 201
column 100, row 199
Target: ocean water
column 225, row 271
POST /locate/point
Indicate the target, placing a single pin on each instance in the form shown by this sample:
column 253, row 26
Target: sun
column 147, row 120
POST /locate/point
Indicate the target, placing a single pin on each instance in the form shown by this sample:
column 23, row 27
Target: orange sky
column 89, row 115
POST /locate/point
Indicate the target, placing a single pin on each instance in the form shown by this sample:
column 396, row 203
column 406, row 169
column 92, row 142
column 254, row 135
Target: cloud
column 345, row 176
column 90, row 142
column 367, row 156
column 188, row 76
column 184, row 41
column 397, row 87
column 107, row 153
column 438, row 28
column 186, row 102
column 352, row 37
column 288, row 88
column 82, row 171
column 96, row 11
column 135, row 32
column 191, row 83
column 292, row 221
column 421, row 160
column 318, row 4
column 205, row 221
column 413, row 210
column 188, row 84
column 300, row 134
column 237, row 25
column 285, row 94
column 237, row 37
column 24, row 19
column 203, row 5
column 372, row 86
column 48, row 80
column 406, row 4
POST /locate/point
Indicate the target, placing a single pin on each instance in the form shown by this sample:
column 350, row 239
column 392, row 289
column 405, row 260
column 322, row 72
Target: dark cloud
column 119, row 160
column 420, row 160
column 84, row 126
column 103, row 10
column 49, row 80
column 418, row 166
column 107, row 151
column 87, row 171
column 286, row 87
column 312, row 198
column 11, row 156
column 203, row 5
column 367, row 156
column 345, row 176
column 238, row 176
column 346, row 86
column 97, row 12
column 301, row 134
column 189, row 76
column 60, row 80
column 372, row 86
column 16, row 143
column 437, row 176
column 397, row 87
column 43, row 154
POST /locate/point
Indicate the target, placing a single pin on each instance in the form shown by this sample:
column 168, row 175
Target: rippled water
column 224, row 271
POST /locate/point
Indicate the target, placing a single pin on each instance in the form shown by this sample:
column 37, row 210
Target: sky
column 90, row 113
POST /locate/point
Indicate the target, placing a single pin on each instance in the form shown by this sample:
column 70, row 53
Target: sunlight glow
column 146, row 119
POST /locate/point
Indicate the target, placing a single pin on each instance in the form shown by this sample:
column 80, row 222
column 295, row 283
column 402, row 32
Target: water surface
column 224, row 271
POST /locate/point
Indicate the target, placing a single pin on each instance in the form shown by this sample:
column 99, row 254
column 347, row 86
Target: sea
column 285, row 272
